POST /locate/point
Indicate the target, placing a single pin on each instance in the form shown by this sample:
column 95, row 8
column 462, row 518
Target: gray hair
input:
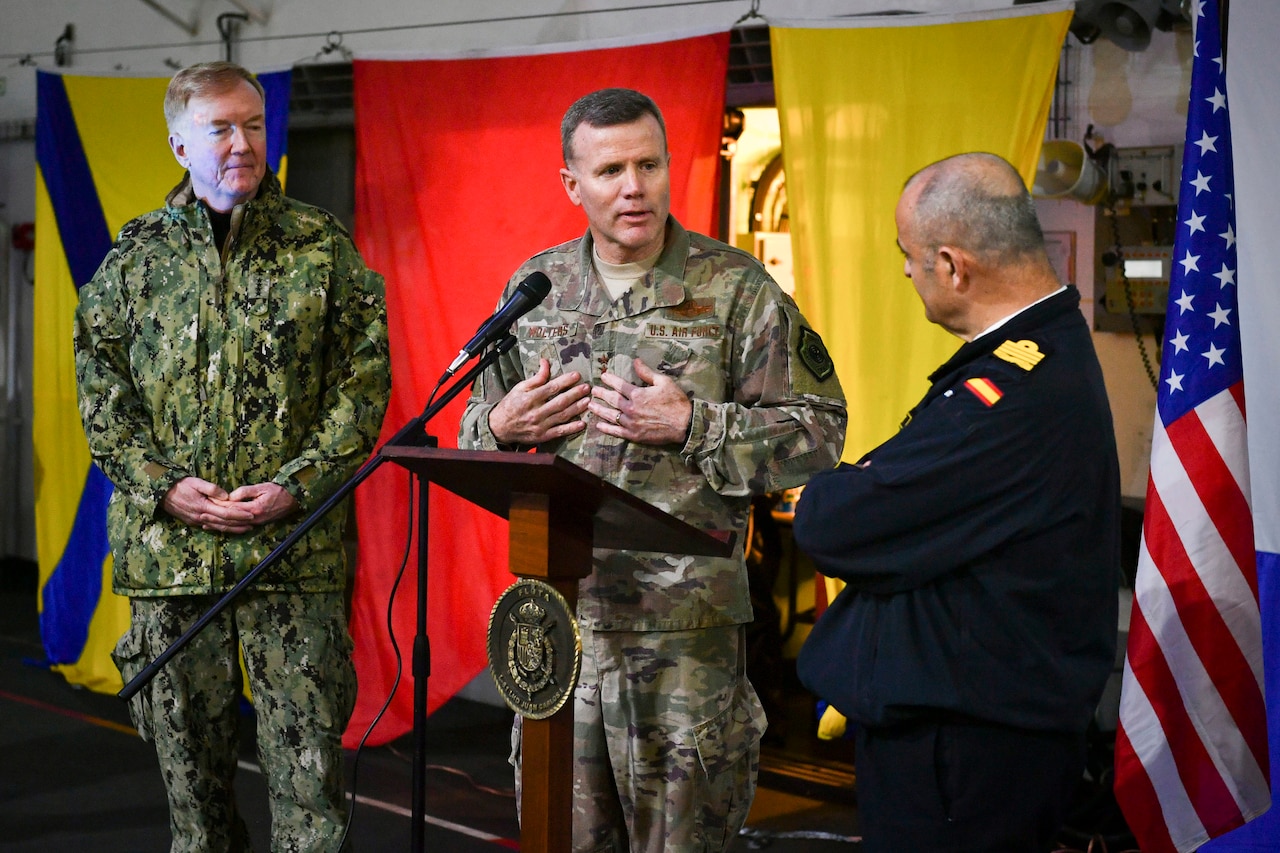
column 606, row 108
column 205, row 78
column 977, row 202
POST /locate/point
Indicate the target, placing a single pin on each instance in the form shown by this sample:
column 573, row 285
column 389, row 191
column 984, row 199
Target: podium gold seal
column 535, row 649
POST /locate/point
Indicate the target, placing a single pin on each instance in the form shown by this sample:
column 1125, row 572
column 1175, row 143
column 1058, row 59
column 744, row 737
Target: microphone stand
column 411, row 434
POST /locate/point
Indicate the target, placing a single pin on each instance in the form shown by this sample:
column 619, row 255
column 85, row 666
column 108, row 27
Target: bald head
column 972, row 243
column 976, row 202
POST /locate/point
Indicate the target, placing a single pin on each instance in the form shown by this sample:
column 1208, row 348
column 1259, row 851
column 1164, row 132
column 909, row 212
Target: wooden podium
column 558, row 513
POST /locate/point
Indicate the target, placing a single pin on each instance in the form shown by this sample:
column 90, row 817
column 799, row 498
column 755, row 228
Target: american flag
column 1191, row 749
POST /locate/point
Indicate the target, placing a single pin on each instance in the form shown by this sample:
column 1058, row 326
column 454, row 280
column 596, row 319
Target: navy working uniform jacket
column 980, row 545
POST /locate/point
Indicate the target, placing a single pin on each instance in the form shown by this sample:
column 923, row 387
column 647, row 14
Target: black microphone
column 529, row 293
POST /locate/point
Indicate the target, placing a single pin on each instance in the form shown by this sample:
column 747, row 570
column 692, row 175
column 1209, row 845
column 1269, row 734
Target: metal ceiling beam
column 190, row 28
column 253, row 9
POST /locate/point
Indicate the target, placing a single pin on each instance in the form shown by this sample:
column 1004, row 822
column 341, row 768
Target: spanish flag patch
column 985, row 390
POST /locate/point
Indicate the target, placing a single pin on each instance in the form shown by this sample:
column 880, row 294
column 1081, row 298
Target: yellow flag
column 863, row 104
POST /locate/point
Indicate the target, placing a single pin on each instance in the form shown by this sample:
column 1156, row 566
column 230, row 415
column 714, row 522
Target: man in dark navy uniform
column 980, row 545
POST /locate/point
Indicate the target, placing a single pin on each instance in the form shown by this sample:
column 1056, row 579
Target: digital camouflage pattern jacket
column 267, row 363
column 768, row 411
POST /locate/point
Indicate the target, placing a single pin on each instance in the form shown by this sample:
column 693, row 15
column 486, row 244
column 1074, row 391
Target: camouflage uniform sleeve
column 786, row 419
column 357, row 383
column 473, row 431
column 115, row 419
column 488, row 389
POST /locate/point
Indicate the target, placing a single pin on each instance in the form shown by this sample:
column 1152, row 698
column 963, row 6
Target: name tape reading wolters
column 540, row 333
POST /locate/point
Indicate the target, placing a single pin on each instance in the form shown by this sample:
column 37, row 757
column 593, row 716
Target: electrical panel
column 1134, row 234
column 1147, row 268
column 1138, row 240
column 1147, row 175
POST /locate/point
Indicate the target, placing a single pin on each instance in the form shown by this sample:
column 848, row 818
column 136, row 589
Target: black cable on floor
column 395, row 683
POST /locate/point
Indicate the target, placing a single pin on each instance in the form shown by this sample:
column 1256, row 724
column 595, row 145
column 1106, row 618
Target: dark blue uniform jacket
column 980, row 545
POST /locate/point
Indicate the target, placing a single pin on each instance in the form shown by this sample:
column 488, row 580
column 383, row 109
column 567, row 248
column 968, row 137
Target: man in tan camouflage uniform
column 231, row 353
column 672, row 366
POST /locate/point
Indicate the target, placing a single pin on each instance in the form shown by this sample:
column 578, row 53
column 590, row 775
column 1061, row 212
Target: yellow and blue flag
column 102, row 158
column 862, row 104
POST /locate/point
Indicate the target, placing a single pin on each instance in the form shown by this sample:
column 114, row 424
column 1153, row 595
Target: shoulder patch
column 1025, row 354
column 985, row 390
column 814, row 354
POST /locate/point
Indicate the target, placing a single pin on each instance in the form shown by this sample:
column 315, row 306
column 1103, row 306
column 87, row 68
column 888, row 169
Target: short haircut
column 977, row 202
column 206, row 78
column 606, row 108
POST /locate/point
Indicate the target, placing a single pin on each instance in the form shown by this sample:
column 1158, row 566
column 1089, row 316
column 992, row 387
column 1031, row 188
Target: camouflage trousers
column 666, row 741
column 297, row 654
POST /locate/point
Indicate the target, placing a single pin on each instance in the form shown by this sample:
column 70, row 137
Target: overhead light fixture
column 1127, row 23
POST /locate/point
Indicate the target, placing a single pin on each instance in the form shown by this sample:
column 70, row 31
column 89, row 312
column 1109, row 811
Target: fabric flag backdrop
column 863, row 104
column 102, row 157
column 457, row 183
column 1191, row 750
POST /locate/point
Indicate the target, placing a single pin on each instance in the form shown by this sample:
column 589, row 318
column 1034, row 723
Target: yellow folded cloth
column 832, row 724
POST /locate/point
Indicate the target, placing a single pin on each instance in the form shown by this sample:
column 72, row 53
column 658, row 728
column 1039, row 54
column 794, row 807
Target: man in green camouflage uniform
column 232, row 359
column 672, row 366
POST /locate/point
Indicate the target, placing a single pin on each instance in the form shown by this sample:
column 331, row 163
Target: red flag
column 1191, row 750
column 457, row 183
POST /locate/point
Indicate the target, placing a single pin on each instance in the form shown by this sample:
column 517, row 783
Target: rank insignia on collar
column 1025, row 354
column 814, row 354
column 985, row 390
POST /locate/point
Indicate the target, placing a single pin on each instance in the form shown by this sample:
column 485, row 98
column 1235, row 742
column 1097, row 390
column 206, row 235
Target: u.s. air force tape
column 535, row 648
